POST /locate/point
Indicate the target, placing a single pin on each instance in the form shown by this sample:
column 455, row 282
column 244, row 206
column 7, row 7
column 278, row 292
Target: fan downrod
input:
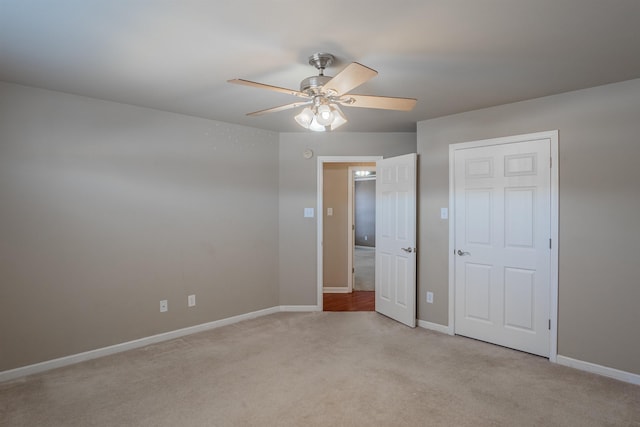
column 321, row 61
column 312, row 86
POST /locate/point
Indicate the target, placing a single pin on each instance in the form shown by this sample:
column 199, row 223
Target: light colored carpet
column 319, row 369
column 364, row 263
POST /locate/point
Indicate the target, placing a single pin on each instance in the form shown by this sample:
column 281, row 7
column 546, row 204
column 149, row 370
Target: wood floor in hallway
column 356, row 301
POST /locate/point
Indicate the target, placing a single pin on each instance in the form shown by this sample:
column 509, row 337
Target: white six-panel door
column 502, row 244
column 395, row 275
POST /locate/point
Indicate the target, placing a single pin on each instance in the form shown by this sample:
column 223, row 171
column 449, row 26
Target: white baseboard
column 335, row 290
column 434, row 327
column 299, row 308
column 142, row 342
column 617, row 374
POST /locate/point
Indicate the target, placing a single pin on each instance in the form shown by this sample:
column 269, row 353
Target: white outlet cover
column 444, row 213
column 191, row 300
column 430, row 297
column 164, row 306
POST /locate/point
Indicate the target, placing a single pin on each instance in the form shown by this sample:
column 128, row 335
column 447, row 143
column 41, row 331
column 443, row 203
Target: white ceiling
column 452, row 55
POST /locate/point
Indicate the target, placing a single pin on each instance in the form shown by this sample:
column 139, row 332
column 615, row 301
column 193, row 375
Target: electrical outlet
column 430, row 297
column 191, row 301
column 164, row 306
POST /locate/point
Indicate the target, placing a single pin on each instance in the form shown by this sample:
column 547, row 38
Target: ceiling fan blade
column 380, row 102
column 351, row 77
column 268, row 87
column 280, row 108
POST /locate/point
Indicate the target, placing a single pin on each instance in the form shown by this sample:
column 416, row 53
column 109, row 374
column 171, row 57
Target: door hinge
column 550, row 162
column 549, row 243
column 549, row 324
column 353, row 270
column 353, row 226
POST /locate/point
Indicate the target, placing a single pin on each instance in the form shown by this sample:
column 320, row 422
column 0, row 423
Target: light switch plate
column 329, row 211
column 308, row 212
column 444, row 213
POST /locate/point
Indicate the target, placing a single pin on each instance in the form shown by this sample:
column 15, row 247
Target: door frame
column 553, row 270
column 321, row 160
column 351, row 213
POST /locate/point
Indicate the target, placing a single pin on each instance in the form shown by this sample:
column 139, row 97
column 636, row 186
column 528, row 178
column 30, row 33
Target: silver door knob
column 409, row 250
column 463, row 253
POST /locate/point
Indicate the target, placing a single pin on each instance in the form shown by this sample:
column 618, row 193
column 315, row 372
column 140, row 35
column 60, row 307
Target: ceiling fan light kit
column 321, row 117
column 324, row 94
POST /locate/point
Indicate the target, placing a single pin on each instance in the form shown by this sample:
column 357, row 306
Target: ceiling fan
column 323, row 95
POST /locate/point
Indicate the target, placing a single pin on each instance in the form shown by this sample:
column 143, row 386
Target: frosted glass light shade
column 305, row 118
column 315, row 126
column 324, row 116
column 338, row 118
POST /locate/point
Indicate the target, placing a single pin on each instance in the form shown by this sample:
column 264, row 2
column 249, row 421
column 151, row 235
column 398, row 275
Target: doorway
column 360, row 292
column 336, row 234
column 395, row 276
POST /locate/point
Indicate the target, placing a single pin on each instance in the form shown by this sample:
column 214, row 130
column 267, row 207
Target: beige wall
column 334, row 227
column 599, row 142
column 297, row 240
column 105, row 209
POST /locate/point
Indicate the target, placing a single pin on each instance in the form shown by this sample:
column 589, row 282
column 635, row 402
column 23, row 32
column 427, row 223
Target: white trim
column 351, row 224
column 555, row 239
column 452, row 243
column 321, row 160
column 154, row 339
column 336, row 290
column 142, row 342
column 434, row 326
column 299, row 308
column 552, row 136
column 617, row 374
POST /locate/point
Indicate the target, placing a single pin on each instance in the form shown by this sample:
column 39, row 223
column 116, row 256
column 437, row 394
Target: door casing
column 553, row 279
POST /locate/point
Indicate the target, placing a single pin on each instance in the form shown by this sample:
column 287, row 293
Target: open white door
column 396, row 238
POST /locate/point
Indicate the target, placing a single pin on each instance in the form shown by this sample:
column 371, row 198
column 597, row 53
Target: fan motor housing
column 312, row 85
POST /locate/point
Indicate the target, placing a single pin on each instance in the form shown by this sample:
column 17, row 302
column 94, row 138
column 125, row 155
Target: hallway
column 363, row 297
column 365, row 269
column 356, row 301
